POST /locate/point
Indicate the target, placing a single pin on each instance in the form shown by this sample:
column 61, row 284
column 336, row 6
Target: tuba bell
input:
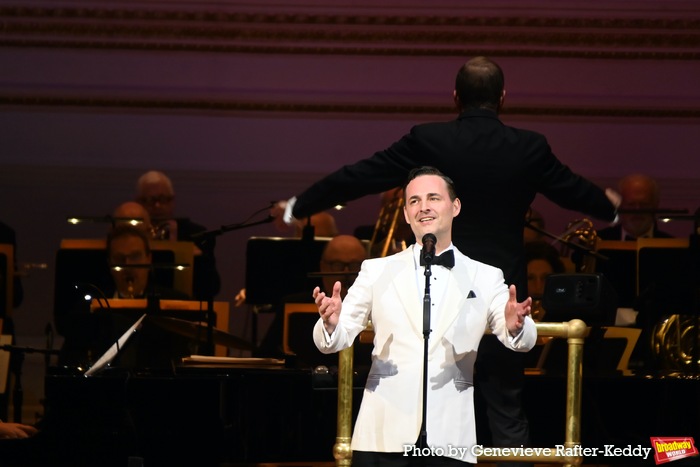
column 673, row 342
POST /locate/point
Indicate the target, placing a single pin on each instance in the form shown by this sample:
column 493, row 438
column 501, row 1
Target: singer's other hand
column 516, row 312
column 329, row 307
column 277, row 211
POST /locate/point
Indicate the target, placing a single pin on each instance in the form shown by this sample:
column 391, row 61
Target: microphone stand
column 208, row 236
column 423, row 437
column 574, row 246
column 666, row 214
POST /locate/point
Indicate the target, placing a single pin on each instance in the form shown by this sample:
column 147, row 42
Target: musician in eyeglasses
column 155, row 191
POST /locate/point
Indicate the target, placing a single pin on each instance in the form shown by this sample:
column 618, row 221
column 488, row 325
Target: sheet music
column 233, row 360
column 114, row 349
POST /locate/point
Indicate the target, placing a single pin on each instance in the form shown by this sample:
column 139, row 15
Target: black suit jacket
column 497, row 171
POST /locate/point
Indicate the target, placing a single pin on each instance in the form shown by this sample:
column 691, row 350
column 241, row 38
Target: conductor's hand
column 516, row 312
column 614, row 197
column 277, row 211
column 329, row 307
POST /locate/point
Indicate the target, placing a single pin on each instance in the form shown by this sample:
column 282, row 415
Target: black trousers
column 397, row 459
column 498, row 386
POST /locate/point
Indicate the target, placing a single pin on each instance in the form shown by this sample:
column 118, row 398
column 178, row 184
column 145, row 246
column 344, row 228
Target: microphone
column 428, row 251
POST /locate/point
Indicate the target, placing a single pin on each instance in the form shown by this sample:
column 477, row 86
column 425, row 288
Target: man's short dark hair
column 428, row 170
column 479, row 84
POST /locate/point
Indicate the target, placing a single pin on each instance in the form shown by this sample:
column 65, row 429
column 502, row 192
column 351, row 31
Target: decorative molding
column 219, row 105
column 503, row 33
column 614, row 31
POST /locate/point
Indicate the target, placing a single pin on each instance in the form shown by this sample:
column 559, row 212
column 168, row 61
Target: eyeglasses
column 153, row 200
column 338, row 266
column 138, row 257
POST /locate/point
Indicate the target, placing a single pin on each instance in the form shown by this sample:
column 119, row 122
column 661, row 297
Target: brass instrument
column 673, row 342
column 582, row 233
column 161, row 231
column 384, row 240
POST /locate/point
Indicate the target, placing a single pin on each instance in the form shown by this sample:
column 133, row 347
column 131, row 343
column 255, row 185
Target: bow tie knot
column 446, row 259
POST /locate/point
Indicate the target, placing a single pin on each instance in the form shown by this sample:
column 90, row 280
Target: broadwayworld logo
column 673, row 449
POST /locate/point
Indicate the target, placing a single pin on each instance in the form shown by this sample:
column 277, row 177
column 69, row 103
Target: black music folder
column 277, row 267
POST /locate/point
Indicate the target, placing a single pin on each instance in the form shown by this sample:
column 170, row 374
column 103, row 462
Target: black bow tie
column 446, row 259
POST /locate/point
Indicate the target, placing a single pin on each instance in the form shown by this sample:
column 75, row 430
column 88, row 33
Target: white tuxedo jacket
column 386, row 291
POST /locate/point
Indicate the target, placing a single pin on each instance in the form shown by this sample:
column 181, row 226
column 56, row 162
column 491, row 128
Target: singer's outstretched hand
column 329, row 307
column 516, row 312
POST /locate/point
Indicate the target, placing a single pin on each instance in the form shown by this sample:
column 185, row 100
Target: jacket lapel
column 406, row 289
column 460, row 280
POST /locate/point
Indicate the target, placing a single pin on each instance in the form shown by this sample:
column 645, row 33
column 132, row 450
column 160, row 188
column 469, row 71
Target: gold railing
column 574, row 331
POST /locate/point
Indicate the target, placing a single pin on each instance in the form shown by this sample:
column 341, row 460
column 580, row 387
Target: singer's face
column 429, row 208
column 126, row 250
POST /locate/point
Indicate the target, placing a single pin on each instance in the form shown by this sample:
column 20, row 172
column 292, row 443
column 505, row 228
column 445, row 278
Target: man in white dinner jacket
column 466, row 298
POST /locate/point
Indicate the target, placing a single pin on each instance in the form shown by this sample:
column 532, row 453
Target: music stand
column 620, row 269
column 276, row 267
column 84, row 261
column 163, row 252
column 666, row 275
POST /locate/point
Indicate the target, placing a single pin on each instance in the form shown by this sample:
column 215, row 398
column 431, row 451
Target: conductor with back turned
column 498, row 170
